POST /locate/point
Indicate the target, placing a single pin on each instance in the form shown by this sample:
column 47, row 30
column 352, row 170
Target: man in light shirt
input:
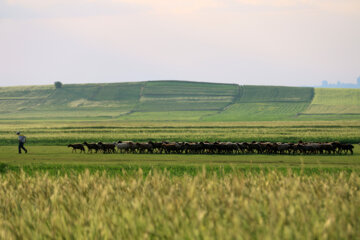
column 22, row 141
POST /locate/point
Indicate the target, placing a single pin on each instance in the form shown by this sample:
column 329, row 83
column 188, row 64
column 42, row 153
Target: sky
column 259, row 42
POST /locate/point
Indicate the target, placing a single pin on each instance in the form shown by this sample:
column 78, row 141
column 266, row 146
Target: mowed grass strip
column 61, row 158
column 155, row 205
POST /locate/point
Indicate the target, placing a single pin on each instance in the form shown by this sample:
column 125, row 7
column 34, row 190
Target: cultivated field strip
column 258, row 94
column 56, row 133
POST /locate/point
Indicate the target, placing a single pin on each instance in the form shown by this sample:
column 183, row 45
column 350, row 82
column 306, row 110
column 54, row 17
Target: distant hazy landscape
column 177, row 101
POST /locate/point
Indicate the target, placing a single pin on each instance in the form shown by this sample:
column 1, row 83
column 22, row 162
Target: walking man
column 22, row 141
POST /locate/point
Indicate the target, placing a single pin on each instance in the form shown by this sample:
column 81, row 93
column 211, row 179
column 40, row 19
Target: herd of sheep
column 215, row 147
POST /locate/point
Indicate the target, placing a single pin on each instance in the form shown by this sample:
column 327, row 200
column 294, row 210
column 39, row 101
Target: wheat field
column 159, row 206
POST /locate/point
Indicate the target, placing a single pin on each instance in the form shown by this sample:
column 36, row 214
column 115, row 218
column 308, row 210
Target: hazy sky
column 270, row 42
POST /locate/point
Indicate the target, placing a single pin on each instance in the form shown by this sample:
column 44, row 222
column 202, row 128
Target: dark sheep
column 107, row 147
column 77, row 146
column 91, row 146
column 218, row 147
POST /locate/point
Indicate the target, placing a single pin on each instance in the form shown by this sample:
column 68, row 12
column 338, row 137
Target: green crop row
column 61, row 133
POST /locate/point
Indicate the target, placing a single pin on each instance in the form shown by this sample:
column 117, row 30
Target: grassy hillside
column 176, row 101
column 256, row 94
column 334, row 103
column 73, row 101
column 261, row 111
column 185, row 96
column 260, row 103
column 156, row 100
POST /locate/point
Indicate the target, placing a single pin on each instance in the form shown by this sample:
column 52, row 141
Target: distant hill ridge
column 176, row 101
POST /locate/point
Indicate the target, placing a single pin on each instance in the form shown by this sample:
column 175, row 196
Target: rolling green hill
column 260, row 103
column 330, row 103
column 73, row 101
column 176, row 101
column 185, row 96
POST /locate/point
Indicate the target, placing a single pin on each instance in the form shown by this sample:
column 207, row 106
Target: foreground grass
column 157, row 206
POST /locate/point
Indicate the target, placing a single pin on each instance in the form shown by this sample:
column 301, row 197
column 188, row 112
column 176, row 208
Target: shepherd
column 22, row 141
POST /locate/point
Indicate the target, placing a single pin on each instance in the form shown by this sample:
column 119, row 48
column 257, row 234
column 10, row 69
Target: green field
column 63, row 133
column 47, row 143
column 185, row 96
column 121, row 101
column 177, row 101
column 334, row 103
column 256, row 94
column 61, row 160
column 259, row 111
column 48, row 152
column 72, row 102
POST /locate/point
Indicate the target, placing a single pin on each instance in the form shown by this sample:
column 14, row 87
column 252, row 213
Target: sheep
column 124, row 146
column 91, row 146
column 77, row 146
column 107, row 147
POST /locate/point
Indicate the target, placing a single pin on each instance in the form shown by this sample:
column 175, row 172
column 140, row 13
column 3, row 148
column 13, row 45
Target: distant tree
column 58, row 85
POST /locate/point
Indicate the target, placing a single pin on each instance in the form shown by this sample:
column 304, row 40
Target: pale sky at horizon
column 258, row 42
